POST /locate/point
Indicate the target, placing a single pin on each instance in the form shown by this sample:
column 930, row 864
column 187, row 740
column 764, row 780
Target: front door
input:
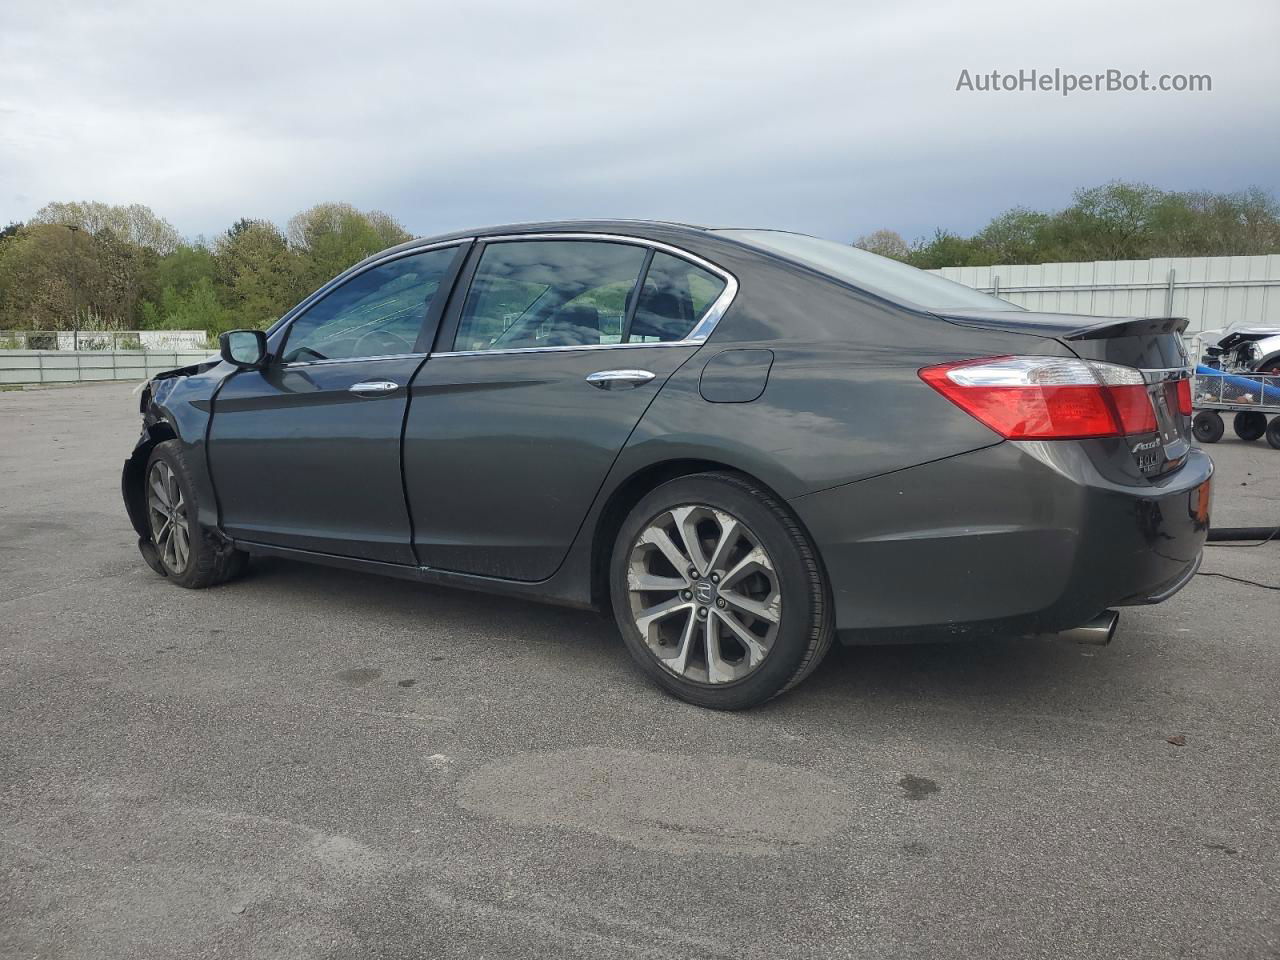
column 306, row 453
column 543, row 371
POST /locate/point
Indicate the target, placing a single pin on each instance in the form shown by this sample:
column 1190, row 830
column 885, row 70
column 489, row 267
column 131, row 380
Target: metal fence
column 1214, row 293
column 76, row 366
column 1236, row 391
column 169, row 340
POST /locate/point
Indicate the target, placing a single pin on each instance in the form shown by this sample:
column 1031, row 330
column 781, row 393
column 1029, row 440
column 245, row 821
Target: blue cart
column 1252, row 397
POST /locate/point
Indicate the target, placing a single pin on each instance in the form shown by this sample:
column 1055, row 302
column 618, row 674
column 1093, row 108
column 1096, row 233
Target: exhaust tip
column 1097, row 632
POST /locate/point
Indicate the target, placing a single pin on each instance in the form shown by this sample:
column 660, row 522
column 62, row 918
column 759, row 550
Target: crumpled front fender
column 132, row 475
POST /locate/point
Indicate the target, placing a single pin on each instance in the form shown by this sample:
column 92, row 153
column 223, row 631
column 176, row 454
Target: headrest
column 659, row 315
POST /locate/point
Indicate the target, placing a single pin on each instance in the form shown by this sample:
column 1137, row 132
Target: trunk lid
column 1150, row 344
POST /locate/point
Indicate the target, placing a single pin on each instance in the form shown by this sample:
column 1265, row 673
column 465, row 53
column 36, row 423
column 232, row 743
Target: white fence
column 1212, row 292
column 75, row 366
column 169, row 340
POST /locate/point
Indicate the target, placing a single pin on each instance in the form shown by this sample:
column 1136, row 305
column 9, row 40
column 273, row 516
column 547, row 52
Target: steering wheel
column 378, row 342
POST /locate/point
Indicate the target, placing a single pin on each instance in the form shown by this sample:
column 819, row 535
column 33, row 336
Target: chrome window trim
column 341, row 279
column 696, row 337
column 567, row 349
column 326, row 362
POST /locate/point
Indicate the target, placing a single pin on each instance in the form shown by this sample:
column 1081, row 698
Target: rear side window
column 867, row 271
column 376, row 313
column 549, row 293
column 676, row 294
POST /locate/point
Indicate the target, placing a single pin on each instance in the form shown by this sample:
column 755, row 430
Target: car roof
column 637, row 228
column 657, row 230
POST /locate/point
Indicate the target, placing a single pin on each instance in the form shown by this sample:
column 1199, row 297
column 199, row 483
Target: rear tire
column 192, row 556
column 719, row 594
column 1273, row 433
column 1249, row 425
column 1207, row 427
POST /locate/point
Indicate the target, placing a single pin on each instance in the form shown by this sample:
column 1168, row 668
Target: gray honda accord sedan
column 742, row 443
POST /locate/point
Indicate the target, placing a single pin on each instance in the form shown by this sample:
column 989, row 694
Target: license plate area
column 1173, row 441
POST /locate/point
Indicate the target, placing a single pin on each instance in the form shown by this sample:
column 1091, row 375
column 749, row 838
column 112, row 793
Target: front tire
column 719, row 594
column 190, row 555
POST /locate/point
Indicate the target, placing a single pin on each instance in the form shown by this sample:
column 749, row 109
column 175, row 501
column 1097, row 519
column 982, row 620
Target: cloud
column 835, row 118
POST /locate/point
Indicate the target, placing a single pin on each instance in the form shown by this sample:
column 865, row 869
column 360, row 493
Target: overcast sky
column 832, row 118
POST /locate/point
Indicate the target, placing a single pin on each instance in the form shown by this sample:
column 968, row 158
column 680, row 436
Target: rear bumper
column 1018, row 538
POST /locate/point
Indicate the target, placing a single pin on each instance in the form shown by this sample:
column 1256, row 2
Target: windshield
column 870, row 272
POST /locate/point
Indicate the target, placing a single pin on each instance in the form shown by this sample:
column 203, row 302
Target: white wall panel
column 1212, row 292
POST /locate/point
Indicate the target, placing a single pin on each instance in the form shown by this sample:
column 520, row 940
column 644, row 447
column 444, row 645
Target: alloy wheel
column 167, row 511
column 704, row 594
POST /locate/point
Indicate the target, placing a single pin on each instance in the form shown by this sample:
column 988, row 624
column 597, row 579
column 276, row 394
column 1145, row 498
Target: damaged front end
column 133, row 490
column 175, row 405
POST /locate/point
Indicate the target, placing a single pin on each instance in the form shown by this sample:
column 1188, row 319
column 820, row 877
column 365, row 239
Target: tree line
column 1115, row 221
column 104, row 267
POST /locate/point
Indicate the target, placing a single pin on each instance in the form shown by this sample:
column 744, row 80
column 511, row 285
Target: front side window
column 549, row 293
column 377, row 313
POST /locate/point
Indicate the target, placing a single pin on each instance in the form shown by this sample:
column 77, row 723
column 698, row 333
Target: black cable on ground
column 1227, row 576
column 1261, row 534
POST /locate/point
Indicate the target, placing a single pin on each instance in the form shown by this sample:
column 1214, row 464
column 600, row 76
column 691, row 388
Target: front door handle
column 619, row 379
column 373, row 387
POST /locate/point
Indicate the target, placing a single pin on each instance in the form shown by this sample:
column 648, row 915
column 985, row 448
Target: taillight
column 1047, row 398
column 1184, row 396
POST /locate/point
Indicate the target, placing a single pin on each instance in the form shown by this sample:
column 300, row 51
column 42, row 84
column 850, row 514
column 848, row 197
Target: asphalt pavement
column 315, row 763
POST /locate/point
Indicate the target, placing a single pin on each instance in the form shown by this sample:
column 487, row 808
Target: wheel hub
column 167, row 513
column 704, row 594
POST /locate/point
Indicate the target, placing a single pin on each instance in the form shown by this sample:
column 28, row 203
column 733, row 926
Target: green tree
column 1217, row 224
column 198, row 307
column 1016, row 236
column 35, row 288
column 1116, row 221
column 188, row 276
column 185, row 266
column 134, row 224
column 330, row 237
column 886, row 243
column 946, row 249
column 257, row 273
column 53, row 278
column 1111, row 222
column 118, row 274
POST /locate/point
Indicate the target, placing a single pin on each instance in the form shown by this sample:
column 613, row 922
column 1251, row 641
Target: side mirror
column 247, row 349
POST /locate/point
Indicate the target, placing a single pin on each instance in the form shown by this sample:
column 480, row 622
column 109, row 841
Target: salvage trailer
column 1251, row 397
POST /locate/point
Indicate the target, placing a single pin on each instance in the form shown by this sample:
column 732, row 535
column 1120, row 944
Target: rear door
column 306, row 452
column 541, row 373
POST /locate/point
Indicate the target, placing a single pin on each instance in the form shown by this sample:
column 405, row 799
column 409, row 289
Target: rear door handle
column 619, row 379
column 373, row 387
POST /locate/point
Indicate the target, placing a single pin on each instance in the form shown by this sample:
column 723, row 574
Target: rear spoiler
column 1065, row 326
column 1125, row 327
